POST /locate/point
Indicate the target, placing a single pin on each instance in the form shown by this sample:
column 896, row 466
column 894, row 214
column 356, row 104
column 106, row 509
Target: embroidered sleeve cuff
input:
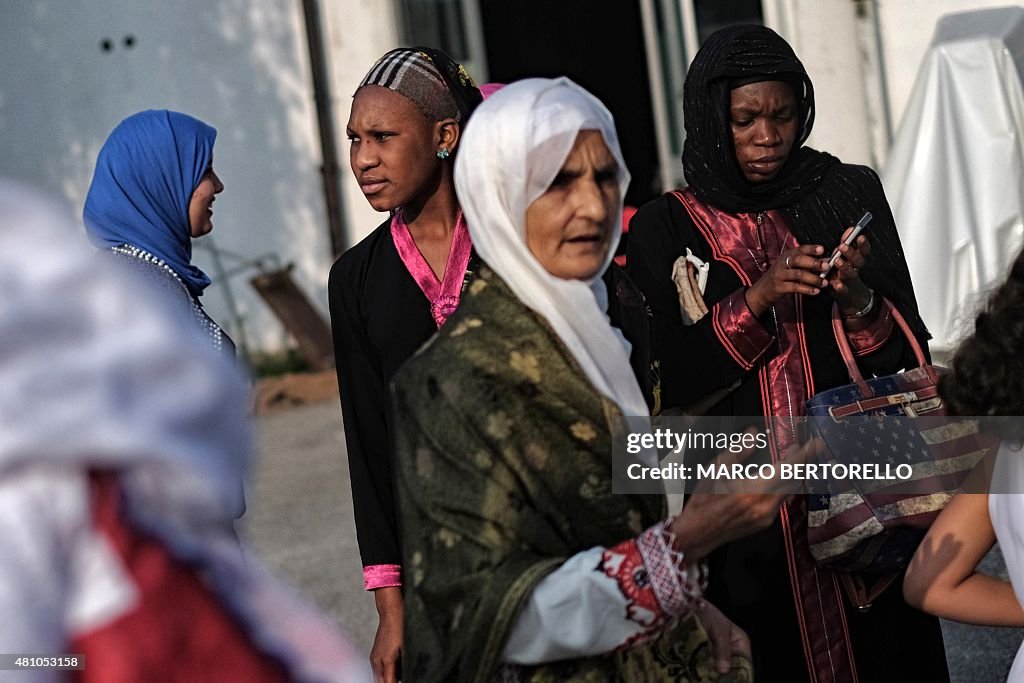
column 658, row 584
column 677, row 585
column 875, row 335
column 739, row 330
column 382, row 576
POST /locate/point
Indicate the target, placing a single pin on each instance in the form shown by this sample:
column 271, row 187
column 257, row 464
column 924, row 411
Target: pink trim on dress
column 702, row 217
column 382, row 576
column 737, row 235
column 443, row 295
column 739, row 330
column 785, row 382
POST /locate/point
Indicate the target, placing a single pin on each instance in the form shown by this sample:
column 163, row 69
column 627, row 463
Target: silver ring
column 787, row 261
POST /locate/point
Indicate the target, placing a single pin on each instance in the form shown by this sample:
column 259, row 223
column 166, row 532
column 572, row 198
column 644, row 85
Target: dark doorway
column 715, row 14
column 599, row 44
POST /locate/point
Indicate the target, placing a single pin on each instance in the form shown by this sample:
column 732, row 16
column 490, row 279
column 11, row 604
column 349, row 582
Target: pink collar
column 443, row 295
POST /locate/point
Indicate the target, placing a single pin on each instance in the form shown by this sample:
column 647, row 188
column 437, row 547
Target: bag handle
column 847, row 352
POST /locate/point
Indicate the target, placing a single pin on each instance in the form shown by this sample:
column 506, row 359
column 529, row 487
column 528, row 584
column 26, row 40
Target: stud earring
column 443, row 153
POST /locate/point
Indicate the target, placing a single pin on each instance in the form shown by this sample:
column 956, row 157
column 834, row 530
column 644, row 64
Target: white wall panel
column 240, row 65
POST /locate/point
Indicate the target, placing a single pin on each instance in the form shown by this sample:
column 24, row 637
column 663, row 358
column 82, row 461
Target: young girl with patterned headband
column 393, row 290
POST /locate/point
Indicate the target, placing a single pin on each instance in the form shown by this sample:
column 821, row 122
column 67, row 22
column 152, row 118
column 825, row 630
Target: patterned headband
column 412, row 74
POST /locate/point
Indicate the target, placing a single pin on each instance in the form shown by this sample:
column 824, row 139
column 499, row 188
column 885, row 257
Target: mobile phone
column 857, row 230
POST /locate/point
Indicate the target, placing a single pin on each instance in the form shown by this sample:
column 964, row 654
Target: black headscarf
column 819, row 196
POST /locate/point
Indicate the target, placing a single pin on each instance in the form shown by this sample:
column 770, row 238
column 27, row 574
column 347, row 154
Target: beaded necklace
column 205, row 322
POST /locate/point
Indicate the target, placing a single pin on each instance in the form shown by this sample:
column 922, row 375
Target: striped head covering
column 432, row 80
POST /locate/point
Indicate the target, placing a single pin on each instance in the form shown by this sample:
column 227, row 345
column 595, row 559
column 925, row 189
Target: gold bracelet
column 864, row 311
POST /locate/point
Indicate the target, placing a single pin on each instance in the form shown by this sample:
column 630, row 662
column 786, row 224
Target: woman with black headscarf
column 732, row 267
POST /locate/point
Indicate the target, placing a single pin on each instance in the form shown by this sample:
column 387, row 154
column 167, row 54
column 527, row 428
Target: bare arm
column 943, row 579
column 387, row 644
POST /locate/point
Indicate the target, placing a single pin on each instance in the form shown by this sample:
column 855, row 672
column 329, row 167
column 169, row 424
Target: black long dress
column 379, row 317
column 753, row 580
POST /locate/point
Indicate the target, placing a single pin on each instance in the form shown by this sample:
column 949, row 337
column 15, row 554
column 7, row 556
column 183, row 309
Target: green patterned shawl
column 503, row 473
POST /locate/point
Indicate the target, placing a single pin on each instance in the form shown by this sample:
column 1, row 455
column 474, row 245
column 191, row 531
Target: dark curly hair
column 986, row 375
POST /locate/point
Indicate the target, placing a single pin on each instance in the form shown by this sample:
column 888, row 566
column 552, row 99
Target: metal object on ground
column 298, row 315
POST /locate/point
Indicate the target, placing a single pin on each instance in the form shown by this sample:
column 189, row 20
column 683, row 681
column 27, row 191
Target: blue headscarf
column 145, row 175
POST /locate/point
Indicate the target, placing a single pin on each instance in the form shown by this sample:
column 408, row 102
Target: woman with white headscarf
column 123, row 435
column 520, row 562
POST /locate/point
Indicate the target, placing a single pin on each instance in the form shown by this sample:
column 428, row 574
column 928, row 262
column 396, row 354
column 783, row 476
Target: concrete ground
column 299, row 514
column 299, row 520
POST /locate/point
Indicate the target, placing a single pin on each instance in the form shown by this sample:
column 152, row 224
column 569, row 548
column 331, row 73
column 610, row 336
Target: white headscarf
column 96, row 374
column 513, row 147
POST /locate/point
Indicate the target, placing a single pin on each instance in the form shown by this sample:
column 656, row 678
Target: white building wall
column 826, row 37
column 240, row 65
column 863, row 56
column 356, row 33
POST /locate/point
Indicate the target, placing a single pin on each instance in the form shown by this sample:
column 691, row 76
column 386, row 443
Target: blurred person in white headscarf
column 123, row 436
column 521, row 563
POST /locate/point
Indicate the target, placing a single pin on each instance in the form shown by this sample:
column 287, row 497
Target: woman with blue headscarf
column 151, row 194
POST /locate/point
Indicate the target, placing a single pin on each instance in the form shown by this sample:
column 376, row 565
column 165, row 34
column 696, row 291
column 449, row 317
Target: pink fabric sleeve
column 875, row 335
column 739, row 330
column 382, row 576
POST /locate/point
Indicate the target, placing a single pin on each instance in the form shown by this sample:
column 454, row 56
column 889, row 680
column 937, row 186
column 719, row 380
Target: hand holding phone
column 854, row 234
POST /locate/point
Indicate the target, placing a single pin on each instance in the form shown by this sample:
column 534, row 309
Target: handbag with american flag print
column 869, row 529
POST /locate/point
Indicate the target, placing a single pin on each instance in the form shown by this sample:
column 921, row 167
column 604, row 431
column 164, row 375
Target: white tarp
column 955, row 175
